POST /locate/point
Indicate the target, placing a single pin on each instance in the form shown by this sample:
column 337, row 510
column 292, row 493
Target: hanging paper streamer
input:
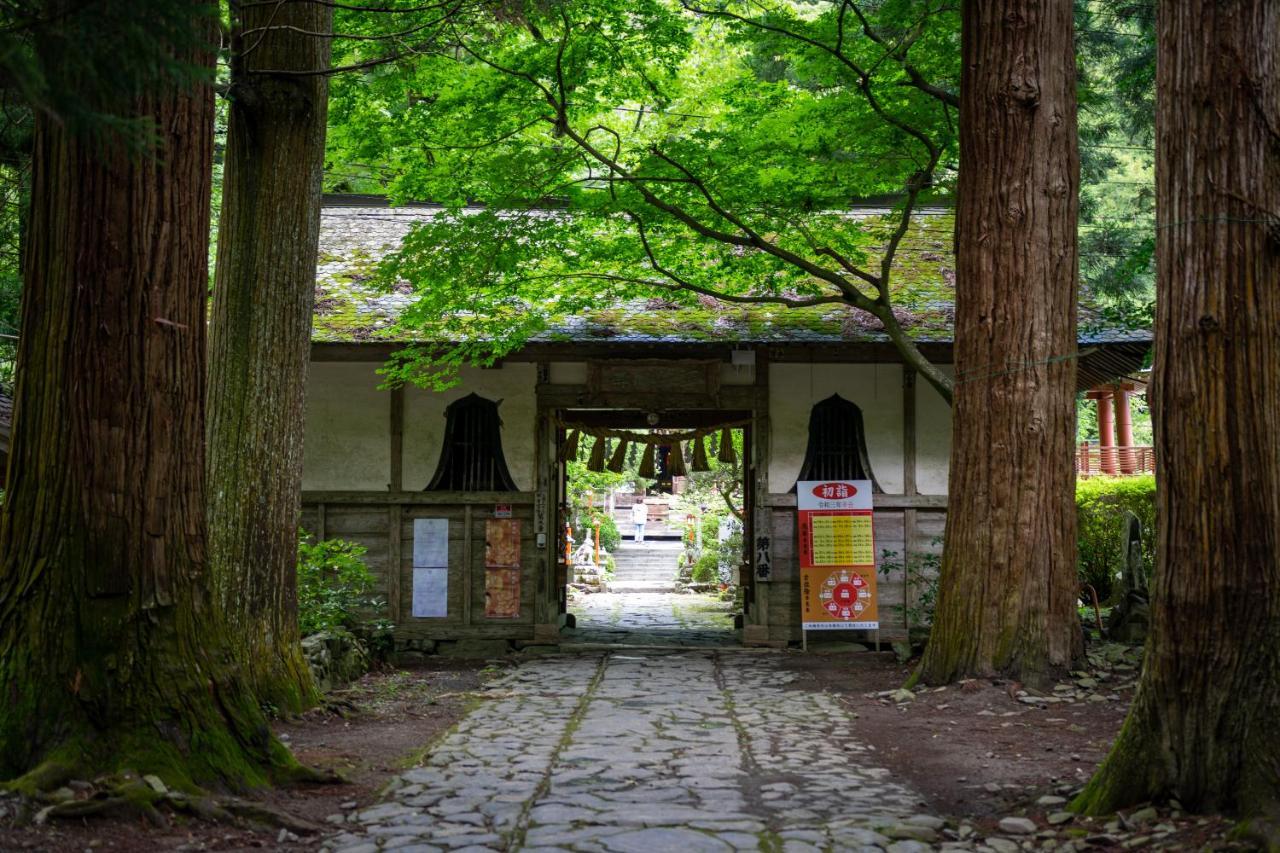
column 700, row 462
column 647, row 469
column 618, row 460
column 727, row 454
column 675, row 460
column 569, row 450
column 596, row 462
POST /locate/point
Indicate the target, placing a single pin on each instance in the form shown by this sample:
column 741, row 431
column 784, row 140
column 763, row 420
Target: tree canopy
column 655, row 150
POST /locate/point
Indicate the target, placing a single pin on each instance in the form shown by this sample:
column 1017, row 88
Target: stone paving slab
column 646, row 751
column 652, row 618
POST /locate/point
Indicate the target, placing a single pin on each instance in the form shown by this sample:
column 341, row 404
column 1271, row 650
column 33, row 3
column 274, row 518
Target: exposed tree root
column 126, row 795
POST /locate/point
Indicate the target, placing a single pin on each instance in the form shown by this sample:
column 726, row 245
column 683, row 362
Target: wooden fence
column 1093, row 460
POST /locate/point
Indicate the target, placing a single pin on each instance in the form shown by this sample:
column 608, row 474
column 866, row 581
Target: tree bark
column 1007, row 592
column 261, row 336
column 1203, row 726
column 110, row 652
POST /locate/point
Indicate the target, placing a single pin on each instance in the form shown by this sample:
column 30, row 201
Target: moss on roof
column 354, row 239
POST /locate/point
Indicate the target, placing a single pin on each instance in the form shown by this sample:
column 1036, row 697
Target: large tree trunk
column 1204, row 725
column 261, row 337
column 110, row 650
column 1006, row 602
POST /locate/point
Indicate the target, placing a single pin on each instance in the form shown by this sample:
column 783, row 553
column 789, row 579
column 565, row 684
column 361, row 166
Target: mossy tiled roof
column 354, row 239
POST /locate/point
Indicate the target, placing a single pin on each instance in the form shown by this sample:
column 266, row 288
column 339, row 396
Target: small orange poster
column 502, row 543
column 837, row 555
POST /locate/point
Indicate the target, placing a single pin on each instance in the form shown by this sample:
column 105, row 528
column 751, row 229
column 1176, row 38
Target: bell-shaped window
column 837, row 447
column 471, row 459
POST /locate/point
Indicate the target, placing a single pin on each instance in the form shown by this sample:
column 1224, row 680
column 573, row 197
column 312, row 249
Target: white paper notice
column 430, row 592
column 430, row 543
column 430, row 567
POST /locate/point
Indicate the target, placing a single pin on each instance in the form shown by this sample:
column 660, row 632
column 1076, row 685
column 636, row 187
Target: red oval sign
column 835, row 491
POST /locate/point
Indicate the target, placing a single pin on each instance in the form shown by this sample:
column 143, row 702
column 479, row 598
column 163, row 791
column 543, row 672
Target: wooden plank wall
column 371, row 521
column 890, row 534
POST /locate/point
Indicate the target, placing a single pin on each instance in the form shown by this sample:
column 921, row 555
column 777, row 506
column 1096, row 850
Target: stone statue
column 1129, row 619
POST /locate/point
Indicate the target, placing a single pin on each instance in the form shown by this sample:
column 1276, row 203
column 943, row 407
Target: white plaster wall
column 875, row 388
column 933, row 438
column 514, row 383
column 737, row 374
column 348, row 424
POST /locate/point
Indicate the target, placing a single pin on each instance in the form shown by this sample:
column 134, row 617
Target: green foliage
column 920, row 574
column 1100, row 506
column 85, row 64
column 648, row 151
column 584, row 529
column 1116, row 58
column 335, row 587
column 707, row 568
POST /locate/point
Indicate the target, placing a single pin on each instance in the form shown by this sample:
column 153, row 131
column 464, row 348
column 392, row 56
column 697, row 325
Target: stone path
column 642, row 752
column 652, row 619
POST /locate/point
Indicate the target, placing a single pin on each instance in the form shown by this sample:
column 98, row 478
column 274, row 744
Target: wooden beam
column 396, row 483
column 424, row 498
column 788, row 499
column 909, row 486
column 466, row 565
column 638, row 419
column 909, row 432
column 580, row 396
column 394, row 570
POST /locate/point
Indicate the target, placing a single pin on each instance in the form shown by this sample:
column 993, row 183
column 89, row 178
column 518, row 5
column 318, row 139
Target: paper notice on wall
column 430, row 593
column 502, row 593
column 502, row 543
column 430, row 543
column 430, row 568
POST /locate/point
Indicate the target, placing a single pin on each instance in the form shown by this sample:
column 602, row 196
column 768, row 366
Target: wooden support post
column 909, row 487
column 321, row 522
column 466, row 564
column 1124, row 429
column 759, row 513
column 1106, row 436
column 395, row 572
column 395, row 482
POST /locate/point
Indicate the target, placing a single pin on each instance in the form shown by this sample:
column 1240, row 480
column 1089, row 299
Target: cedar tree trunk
column 110, row 648
column 1007, row 592
column 261, row 337
column 1204, row 725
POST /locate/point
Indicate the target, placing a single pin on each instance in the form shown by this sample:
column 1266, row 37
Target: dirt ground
column 981, row 750
column 978, row 751
column 374, row 728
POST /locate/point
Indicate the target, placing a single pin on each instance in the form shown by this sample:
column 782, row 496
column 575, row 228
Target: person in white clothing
column 639, row 515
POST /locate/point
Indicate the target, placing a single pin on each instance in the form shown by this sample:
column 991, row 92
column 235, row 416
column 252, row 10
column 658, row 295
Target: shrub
column 610, row 538
column 1100, row 506
column 711, row 529
column 584, row 530
column 920, row 574
column 334, row 585
column 706, row 570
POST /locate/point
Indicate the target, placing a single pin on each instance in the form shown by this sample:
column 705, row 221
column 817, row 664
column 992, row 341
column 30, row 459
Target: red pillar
column 1106, row 435
column 1124, row 430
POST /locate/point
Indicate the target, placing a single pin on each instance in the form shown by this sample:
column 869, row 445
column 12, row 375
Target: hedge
column 1100, row 506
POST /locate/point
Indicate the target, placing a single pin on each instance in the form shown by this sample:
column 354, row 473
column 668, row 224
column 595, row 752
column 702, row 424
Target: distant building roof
column 356, row 233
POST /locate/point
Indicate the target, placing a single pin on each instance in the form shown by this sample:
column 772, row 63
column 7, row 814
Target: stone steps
column 645, row 567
